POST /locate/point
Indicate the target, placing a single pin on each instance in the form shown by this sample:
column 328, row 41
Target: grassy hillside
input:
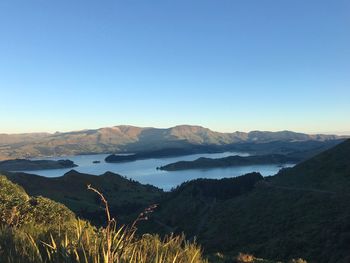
column 17, row 208
column 126, row 197
column 38, row 230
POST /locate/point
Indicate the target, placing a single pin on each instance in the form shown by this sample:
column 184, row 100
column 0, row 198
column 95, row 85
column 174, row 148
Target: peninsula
column 205, row 163
column 31, row 165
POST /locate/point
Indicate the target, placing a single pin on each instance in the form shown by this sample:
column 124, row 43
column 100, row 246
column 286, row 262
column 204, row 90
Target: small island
column 205, row 163
column 32, row 165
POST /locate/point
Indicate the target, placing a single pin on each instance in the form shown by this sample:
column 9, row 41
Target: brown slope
column 129, row 138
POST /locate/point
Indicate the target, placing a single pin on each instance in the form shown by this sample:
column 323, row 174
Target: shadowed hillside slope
column 327, row 171
column 126, row 197
column 301, row 212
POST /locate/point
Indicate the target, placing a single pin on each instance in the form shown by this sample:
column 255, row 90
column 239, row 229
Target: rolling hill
column 126, row 198
column 39, row 230
column 301, row 212
column 135, row 139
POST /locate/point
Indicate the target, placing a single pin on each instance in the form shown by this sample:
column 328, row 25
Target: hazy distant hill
column 134, row 139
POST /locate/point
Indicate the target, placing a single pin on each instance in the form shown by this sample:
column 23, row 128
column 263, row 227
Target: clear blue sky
column 225, row 64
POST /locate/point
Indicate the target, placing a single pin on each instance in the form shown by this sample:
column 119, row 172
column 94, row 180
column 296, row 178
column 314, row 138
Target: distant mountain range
column 119, row 139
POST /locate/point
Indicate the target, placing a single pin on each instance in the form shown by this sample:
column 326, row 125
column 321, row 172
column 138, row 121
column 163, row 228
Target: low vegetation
column 36, row 230
column 126, row 197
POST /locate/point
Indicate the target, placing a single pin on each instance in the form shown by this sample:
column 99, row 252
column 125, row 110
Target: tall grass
column 83, row 243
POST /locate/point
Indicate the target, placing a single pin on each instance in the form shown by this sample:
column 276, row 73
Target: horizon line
column 338, row 133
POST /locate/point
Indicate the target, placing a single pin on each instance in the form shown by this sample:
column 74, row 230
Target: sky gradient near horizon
column 226, row 65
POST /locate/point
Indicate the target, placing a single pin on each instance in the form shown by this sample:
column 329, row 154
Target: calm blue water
column 145, row 171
